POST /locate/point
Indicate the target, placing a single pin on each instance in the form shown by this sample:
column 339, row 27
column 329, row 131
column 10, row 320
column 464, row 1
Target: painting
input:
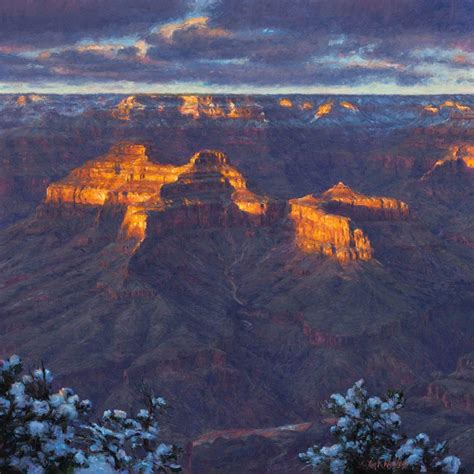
column 242, row 232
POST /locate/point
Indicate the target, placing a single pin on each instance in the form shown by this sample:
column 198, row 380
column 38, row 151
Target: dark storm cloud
column 237, row 42
column 305, row 75
column 366, row 17
column 129, row 65
column 197, row 43
column 57, row 22
column 202, row 41
column 125, row 65
column 14, row 68
column 389, row 30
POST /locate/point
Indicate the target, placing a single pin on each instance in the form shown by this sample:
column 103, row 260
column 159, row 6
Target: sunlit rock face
column 327, row 234
column 453, row 108
column 245, row 111
column 323, row 224
column 348, row 105
column 324, row 109
column 341, row 199
column 134, row 224
column 208, row 192
column 23, row 100
column 197, row 106
column 211, row 193
column 339, row 109
column 465, row 153
column 451, row 104
column 125, row 175
column 431, row 109
column 190, row 106
column 208, row 107
column 287, row 103
column 459, row 157
column 125, row 107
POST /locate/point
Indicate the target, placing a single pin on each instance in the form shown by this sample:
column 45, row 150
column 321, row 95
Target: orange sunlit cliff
column 207, row 107
column 465, row 153
column 340, row 199
column 327, row 234
column 461, row 155
column 208, row 192
column 449, row 105
column 323, row 223
column 287, row 103
column 125, row 107
column 349, row 105
column 324, row 109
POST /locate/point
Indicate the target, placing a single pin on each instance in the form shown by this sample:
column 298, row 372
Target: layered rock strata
column 209, row 192
column 327, row 234
column 207, row 107
column 323, row 223
column 340, row 199
column 457, row 156
column 207, row 189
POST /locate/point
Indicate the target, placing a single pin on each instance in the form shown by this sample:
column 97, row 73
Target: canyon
column 245, row 257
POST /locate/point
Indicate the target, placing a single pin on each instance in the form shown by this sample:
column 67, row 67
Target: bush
column 44, row 431
column 368, row 439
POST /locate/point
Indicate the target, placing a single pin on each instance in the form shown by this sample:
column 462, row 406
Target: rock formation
column 331, row 107
column 464, row 153
column 190, row 106
column 349, row 105
column 209, row 192
column 324, row 109
column 287, row 103
column 207, row 107
column 124, row 108
column 125, row 175
column 327, row 234
column 457, row 156
column 431, row 109
column 340, row 199
column 243, row 111
column 23, row 100
column 206, row 190
column 452, row 104
column 324, row 223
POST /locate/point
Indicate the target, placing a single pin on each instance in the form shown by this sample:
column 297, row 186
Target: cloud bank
column 414, row 45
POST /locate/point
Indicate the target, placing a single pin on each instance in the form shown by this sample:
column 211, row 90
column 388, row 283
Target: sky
column 237, row 46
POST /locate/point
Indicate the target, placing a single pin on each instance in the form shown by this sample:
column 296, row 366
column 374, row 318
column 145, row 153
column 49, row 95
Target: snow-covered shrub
column 367, row 435
column 131, row 444
column 37, row 426
column 46, row 431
